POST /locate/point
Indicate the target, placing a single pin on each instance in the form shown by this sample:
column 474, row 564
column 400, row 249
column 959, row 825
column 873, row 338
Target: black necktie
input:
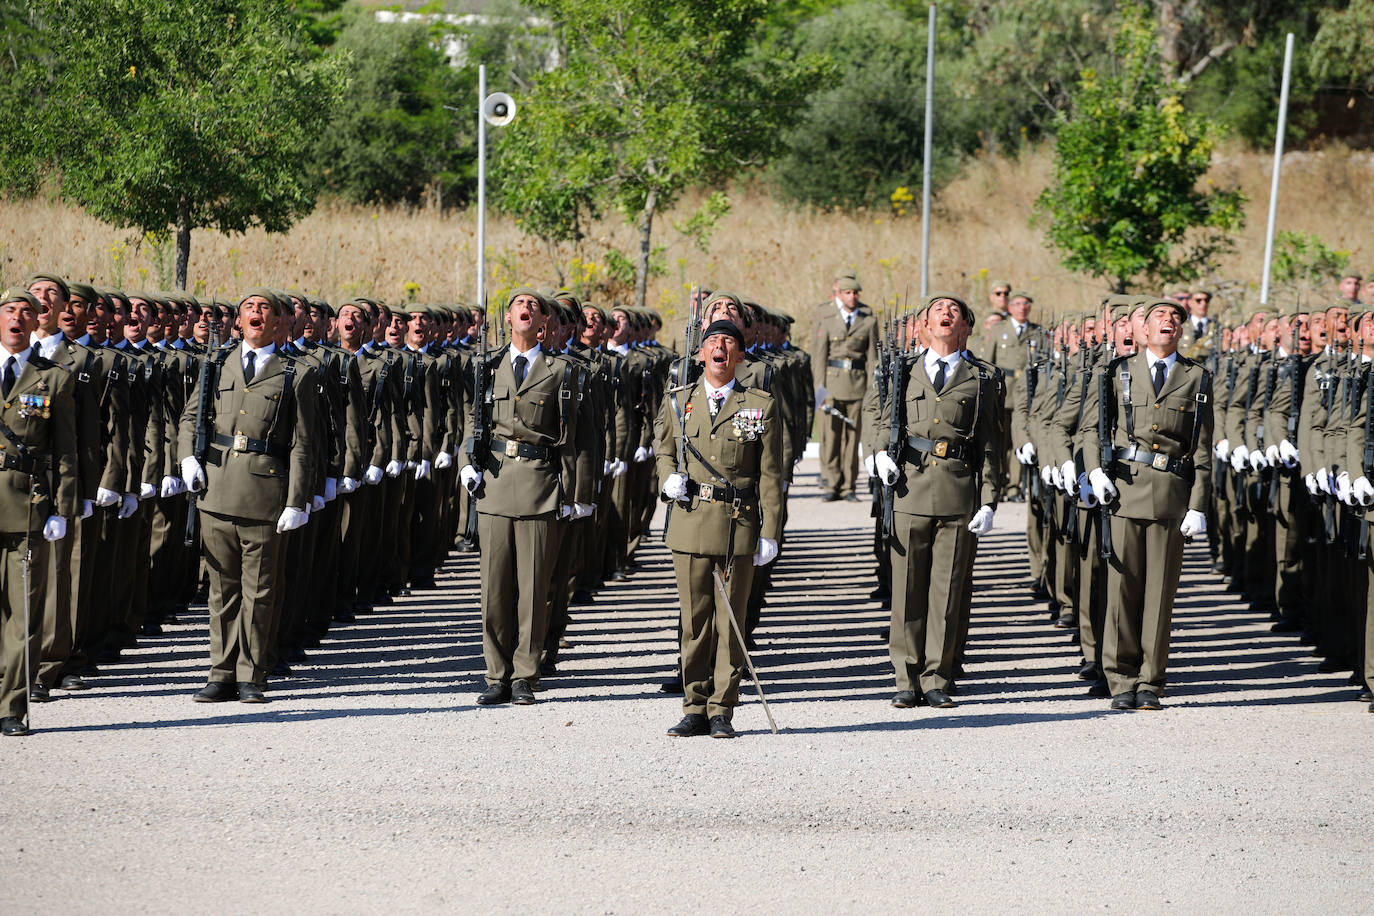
column 250, row 367
column 520, row 363
column 714, row 402
column 940, row 375
column 9, row 375
column 1161, row 370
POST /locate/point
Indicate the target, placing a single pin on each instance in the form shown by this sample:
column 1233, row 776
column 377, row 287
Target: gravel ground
column 373, row 782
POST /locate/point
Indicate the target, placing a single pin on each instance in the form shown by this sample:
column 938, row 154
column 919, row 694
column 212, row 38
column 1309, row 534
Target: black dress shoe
column 1146, row 699
column 345, row 615
column 548, row 669
column 281, row 669
column 296, row 655
column 1332, row 665
column 881, row 593
column 150, row 628
column 1287, row 625
column 851, row 497
column 905, row 699
column 403, row 592
column 13, row 727
column 72, row 682
column 217, row 692
column 521, row 692
column 1124, row 700
column 1371, row 709
column 1099, row 688
column 1089, row 672
column 250, row 693
column 1067, row 621
column 1040, row 593
column 673, row 686
column 1365, row 696
column 493, row 695
column 38, row 693
column 90, row 670
column 830, row 497
column 938, row 699
column 692, row 724
column 619, row 576
column 582, row 596
column 381, row 598
column 721, row 727
column 426, row 582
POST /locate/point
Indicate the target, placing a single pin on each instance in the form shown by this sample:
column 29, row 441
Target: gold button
column 1156, row 426
column 713, row 435
column 242, row 411
column 937, row 419
column 517, row 397
column 1155, row 447
column 937, row 398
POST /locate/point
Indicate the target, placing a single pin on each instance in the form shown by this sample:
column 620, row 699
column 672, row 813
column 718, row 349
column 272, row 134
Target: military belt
column 24, row 464
column 940, row 448
column 249, row 445
column 1156, row 460
column 719, row 493
column 509, row 448
column 855, row 363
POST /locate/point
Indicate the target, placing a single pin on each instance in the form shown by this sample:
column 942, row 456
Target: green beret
column 20, row 295
column 262, row 293
column 527, row 291
column 61, row 283
column 1154, row 305
column 999, row 285
column 1352, row 272
column 843, row 281
column 83, row 291
column 963, row 306
column 719, row 294
column 568, row 296
column 1021, row 294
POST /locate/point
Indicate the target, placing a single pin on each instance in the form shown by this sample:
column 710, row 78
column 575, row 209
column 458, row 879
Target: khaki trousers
column 1147, row 557
column 712, row 658
column 931, row 566
column 245, row 560
column 517, row 563
column 839, row 446
column 58, row 611
column 14, row 642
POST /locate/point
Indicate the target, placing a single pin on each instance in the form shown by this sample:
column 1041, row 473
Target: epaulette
column 41, row 362
column 761, row 392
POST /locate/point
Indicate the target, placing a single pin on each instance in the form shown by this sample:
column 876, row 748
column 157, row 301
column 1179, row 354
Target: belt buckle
column 240, row 442
column 1160, row 463
column 512, row 449
column 706, row 493
column 941, row 449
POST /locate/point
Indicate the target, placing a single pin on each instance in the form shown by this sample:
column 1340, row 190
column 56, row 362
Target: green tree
column 653, row 97
column 1302, row 260
column 182, row 114
column 1341, row 47
column 1124, row 202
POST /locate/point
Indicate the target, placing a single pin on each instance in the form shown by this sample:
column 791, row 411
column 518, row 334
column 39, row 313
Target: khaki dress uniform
column 1162, row 468
column 1010, row 352
column 40, row 414
column 843, row 356
column 260, row 461
column 730, row 505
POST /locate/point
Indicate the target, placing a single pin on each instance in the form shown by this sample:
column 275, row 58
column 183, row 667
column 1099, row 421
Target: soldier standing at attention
column 944, row 478
column 719, row 454
column 38, row 462
column 1158, row 408
column 529, row 465
column 256, row 480
column 843, row 352
column 1008, row 350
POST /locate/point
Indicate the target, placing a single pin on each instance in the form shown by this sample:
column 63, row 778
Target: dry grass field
column 781, row 255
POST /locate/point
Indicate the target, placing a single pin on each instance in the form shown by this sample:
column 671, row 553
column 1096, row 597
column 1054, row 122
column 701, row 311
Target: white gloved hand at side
column 1068, row 476
column 641, row 454
column 1363, row 491
column 1102, row 485
column 1343, row 491
column 868, row 465
column 886, row 467
column 192, row 474
column 347, row 484
column 146, row 491
column 1087, row 493
column 1223, row 449
column 565, row 511
column 331, row 489
column 422, row 470
column 317, row 502
column 1271, row 456
column 982, row 522
column 675, row 487
column 767, row 552
column 470, row 477
column 1240, row 456
column 291, row 519
column 582, row 510
column 87, row 508
column 373, row 475
column 394, row 468
column 1312, row 486
column 168, row 488
column 1026, row 453
column 128, row 505
column 442, row 461
column 1324, row 481
column 1257, row 460
column 106, row 498
column 1047, row 474
column 1288, row 454
column 1194, row 523
column 619, row 468
column 1056, row 477
column 55, row 528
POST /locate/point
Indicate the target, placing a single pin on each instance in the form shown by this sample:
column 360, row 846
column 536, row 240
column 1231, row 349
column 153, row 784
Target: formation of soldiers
column 294, row 463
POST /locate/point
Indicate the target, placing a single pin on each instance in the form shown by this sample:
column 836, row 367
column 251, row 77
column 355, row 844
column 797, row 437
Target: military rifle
column 205, row 422
column 479, row 443
column 1106, row 452
column 691, row 343
column 896, row 387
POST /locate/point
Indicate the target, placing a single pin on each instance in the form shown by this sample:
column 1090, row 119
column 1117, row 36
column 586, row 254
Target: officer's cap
column 738, row 302
column 963, row 306
column 1001, row 284
column 1352, row 272
column 82, row 291
column 20, row 295
column 1021, row 294
column 527, row 291
column 843, row 281
column 263, row 292
column 55, row 278
column 568, row 296
column 721, row 326
column 1172, row 304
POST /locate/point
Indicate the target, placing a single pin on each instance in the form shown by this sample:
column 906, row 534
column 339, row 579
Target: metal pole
column 1278, row 161
column 925, row 165
column 481, row 187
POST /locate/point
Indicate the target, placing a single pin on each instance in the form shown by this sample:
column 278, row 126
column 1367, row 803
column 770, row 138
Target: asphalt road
column 372, row 782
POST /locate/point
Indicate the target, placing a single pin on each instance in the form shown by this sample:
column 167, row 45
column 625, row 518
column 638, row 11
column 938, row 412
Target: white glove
column 1363, row 491
column 1194, row 523
column 422, row 470
column 1068, row 475
column 887, row 469
column 316, row 503
column 582, row 510
column 1223, row 449
column 1288, row 454
column 641, row 454
column 348, row 484
column 565, row 511
column 87, row 508
column 618, row 468
column 291, row 519
column 146, row 491
column 443, row 460
column 675, row 487
column 1026, row 453
column 1312, row 486
column 982, row 522
column 106, row 498
column 1087, row 493
column 470, row 477
column 128, row 505
column 1047, row 474
column 331, row 489
column 868, row 465
column 1257, row 460
column 192, row 474
column 767, row 552
column 1239, row 456
column 409, row 465
column 394, row 468
column 168, row 489
column 55, row 528
column 1102, row 485
column 1343, row 490
column 606, row 467
column 373, row 475
column 1056, row 478
column 1324, row 481
column 1271, row 455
